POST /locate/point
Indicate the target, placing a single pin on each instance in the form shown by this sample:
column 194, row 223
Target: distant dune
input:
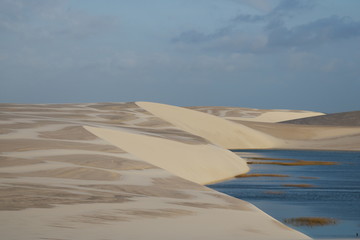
column 316, row 137
column 255, row 115
column 215, row 129
column 261, row 132
column 334, row 119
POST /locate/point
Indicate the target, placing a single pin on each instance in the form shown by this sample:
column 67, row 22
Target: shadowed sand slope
column 202, row 164
column 298, row 136
column 256, row 115
column 215, row 129
column 334, row 119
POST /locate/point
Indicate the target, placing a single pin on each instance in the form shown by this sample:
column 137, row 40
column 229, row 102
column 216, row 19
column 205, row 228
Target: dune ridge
column 219, row 131
column 256, row 115
column 255, row 128
column 333, row 119
column 203, row 164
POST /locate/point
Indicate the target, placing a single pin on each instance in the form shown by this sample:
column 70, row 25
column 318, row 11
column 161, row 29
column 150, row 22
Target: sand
column 281, row 115
column 138, row 172
column 256, row 115
column 145, row 218
column 312, row 137
column 203, row 164
column 217, row 130
column 239, row 134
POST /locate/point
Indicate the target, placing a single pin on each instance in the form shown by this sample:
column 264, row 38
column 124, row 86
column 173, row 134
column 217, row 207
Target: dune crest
column 254, row 114
column 215, row 129
column 281, row 115
column 202, row 164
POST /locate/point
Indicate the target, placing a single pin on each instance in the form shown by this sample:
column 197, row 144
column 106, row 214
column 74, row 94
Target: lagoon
column 329, row 188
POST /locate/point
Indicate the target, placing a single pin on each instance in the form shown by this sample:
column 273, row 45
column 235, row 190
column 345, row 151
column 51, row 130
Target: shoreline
column 289, row 187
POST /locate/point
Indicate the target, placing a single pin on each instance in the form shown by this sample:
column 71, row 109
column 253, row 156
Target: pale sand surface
column 144, row 218
column 280, row 115
column 217, row 130
column 202, row 164
column 256, row 115
column 333, row 119
column 60, row 181
column 237, row 134
column 311, row 137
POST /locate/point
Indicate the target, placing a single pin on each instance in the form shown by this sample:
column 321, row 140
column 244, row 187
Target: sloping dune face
column 215, row 129
column 202, row 164
column 334, row 119
column 256, row 115
column 283, row 115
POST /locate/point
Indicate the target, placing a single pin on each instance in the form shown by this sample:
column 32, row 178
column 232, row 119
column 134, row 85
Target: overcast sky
column 291, row 54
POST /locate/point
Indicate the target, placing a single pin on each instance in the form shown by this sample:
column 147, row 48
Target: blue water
column 335, row 192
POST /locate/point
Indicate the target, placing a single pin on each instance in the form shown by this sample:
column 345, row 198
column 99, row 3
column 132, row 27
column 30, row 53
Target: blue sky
column 292, row 54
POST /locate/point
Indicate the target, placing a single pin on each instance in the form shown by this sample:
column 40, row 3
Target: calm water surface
column 334, row 190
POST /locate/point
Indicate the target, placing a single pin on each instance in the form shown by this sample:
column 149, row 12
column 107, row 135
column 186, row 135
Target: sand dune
column 135, row 171
column 215, row 129
column 281, row 115
column 311, row 136
column 256, row 115
column 60, row 181
column 322, row 132
column 202, row 164
column 334, row 119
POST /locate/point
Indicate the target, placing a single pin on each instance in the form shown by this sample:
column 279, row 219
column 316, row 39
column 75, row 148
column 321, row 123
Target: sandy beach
column 138, row 170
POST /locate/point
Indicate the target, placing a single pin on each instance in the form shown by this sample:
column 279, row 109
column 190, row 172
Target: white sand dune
column 256, row 115
column 261, row 132
column 202, row 164
column 279, row 116
column 311, row 136
column 215, row 129
column 59, row 180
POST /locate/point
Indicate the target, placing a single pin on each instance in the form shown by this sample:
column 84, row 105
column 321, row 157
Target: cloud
column 260, row 5
column 49, row 19
column 269, row 32
column 235, row 26
column 248, row 18
column 314, row 33
column 16, row 12
column 287, row 6
column 81, row 26
column 193, row 36
column 49, row 37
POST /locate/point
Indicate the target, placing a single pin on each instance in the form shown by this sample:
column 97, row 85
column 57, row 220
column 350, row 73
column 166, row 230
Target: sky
column 272, row 54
